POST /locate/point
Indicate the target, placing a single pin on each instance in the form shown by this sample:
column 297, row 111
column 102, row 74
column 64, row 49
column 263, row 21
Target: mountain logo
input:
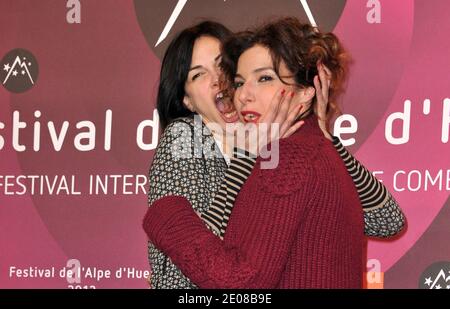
column 436, row 276
column 18, row 70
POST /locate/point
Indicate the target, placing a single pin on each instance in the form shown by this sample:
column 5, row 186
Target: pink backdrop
column 109, row 62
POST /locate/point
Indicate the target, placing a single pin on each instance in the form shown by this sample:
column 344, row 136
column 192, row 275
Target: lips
column 250, row 116
column 226, row 108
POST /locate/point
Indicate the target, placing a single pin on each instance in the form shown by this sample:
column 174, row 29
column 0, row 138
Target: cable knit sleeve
column 251, row 259
column 177, row 231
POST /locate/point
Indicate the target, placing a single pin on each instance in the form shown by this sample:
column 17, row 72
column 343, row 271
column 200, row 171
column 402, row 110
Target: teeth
column 250, row 117
column 229, row 115
column 219, row 96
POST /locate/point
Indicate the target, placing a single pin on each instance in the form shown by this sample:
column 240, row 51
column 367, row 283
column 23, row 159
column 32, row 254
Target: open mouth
column 250, row 116
column 226, row 108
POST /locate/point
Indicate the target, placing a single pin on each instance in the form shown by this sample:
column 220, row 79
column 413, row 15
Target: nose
column 215, row 82
column 245, row 93
column 215, row 75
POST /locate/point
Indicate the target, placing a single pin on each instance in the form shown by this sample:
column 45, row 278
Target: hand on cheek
column 301, row 101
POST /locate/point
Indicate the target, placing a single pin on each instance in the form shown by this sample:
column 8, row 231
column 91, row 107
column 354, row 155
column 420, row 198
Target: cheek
column 202, row 96
column 265, row 97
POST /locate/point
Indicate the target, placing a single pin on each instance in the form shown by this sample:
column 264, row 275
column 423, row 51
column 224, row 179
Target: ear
column 307, row 94
column 187, row 102
column 310, row 92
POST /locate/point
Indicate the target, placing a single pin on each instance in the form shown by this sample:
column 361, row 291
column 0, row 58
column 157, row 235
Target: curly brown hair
column 300, row 46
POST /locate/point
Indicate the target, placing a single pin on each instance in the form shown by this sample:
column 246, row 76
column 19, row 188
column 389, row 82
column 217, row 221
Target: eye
column 237, row 84
column 265, row 78
column 196, row 76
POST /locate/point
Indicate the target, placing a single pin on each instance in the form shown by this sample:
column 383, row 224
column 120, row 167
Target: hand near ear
column 322, row 84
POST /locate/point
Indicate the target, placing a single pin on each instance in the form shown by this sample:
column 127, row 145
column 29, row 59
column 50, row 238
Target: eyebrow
column 257, row 71
column 196, row 67
column 200, row 66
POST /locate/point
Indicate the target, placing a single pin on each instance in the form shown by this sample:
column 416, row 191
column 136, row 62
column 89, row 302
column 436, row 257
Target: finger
column 274, row 106
column 323, row 82
column 321, row 66
column 284, row 108
column 327, row 71
column 319, row 94
column 329, row 75
column 279, row 102
column 296, row 113
column 280, row 117
column 317, row 84
column 293, row 128
column 321, row 102
column 265, row 134
column 293, row 115
column 269, row 117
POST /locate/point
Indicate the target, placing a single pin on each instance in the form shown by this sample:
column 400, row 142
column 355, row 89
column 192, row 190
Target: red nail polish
column 292, row 94
column 283, row 91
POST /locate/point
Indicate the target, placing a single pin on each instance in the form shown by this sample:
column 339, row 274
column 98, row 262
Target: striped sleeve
column 382, row 215
column 372, row 192
column 213, row 216
column 218, row 215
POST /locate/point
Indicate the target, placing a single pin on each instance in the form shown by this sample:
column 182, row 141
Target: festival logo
column 19, row 70
column 436, row 276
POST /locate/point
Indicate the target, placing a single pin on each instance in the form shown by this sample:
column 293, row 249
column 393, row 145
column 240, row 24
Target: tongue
column 220, row 106
column 225, row 105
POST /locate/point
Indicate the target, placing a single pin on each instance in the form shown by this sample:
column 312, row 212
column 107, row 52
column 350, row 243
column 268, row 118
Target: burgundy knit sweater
column 297, row 226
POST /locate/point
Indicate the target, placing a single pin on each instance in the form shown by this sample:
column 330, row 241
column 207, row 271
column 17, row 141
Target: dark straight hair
column 175, row 68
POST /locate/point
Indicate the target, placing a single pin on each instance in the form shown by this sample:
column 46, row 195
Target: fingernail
column 283, row 91
column 292, row 94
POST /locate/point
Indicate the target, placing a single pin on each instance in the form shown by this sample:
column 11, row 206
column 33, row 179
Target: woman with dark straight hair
column 197, row 179
column 176, row 66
